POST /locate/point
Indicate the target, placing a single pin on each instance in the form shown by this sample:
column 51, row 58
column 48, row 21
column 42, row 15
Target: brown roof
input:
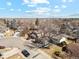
column 2, row 47
column 74, row 48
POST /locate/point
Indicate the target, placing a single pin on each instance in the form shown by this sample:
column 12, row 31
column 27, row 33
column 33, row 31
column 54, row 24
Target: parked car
column 25, row 53
column 57, row 41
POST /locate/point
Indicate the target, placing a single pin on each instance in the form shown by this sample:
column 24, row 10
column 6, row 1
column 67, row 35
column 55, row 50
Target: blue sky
column 38, row 8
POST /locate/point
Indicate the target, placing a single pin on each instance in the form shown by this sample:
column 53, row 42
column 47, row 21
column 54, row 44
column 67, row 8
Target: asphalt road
column 17, row 42
column 12, row 42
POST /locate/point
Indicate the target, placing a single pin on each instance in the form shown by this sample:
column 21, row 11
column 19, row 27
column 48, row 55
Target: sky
column 38, row 8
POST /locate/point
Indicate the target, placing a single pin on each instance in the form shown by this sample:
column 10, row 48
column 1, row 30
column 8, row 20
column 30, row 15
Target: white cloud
column 41, row 10
column 63, row 6
column 40, row 1
column 28, row 11
column 67, row 1
column 36, row 1
column 70, row 0
column 11, row 9
column 56, row 10
column 26, row 1
column 31, row 5
column 64, row 0
column 9, row 3
column 56, row 6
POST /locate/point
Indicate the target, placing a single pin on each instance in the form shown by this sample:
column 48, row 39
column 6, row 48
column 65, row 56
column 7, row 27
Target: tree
column 13, row 24
column 37, row 22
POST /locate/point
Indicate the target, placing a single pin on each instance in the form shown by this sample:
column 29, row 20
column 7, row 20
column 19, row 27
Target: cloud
column 28, row 11
column 70, row 0
column 56, row 6
column 40, row 1
column 67, row 1
column 36, row 1
column 26, row 1
column 64, row 0
column 31, row 5
column 56, row 10
column 63, row 6
column 9, row 3
column 11, row 9
column 41, row 10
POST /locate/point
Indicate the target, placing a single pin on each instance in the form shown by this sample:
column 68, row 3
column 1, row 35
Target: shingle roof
column 74, row 48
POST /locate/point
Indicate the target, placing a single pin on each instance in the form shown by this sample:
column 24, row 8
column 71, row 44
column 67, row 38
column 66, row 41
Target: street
column 35, row 53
